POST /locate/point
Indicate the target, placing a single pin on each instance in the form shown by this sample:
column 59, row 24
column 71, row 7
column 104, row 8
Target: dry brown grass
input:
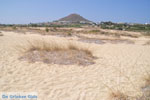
column 118, row 96
column 43, row 45
column 72, row 46
column 147, row 79
column 146, row 88
column 146, row 93
column 51, row 52
column 147, row 43
column 1, row 34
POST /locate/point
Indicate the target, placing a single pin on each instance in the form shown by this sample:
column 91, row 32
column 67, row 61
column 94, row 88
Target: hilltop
column 74, row 18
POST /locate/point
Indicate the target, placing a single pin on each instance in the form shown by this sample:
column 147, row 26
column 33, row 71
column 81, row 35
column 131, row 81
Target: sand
column 118, row 67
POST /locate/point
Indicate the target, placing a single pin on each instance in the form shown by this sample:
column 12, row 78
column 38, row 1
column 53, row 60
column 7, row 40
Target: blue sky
column 26, row 11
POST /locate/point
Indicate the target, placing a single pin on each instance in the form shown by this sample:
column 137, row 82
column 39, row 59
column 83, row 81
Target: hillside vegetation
column 125, row 26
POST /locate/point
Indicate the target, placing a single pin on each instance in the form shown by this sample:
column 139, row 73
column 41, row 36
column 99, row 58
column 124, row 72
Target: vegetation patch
column 118, row 96
column 146, row 89
column 125, row 26
column 147, row 43
column 52, row 53
column 1, row 34
column 47, row 30
column 94, row 31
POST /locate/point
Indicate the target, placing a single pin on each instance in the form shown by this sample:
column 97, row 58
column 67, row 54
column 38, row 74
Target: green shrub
column 47, row 30
column 14, row 28
column 94, row 31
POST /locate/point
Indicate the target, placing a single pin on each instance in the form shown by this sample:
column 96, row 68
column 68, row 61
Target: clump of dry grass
column 75, row 47
column 147, row 43
column 1, row 34
column 55, row 53
column 147, row 80
column 145, row 89
column 42, row 45
column 118, row 96
column 69, row 34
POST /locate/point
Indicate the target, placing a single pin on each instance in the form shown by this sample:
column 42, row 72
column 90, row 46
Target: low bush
column 47, row 30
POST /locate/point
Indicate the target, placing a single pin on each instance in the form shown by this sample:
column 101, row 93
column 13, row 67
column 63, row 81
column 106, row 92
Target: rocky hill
column 73, row 18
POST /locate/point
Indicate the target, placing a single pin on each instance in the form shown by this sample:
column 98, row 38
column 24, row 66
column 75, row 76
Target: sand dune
column 118, row 67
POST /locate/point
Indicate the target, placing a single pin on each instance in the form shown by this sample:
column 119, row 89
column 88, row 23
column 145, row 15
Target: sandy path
column 120, row 66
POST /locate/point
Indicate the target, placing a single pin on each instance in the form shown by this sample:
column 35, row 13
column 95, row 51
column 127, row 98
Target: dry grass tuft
column 146, row 89
column 147, row 43
column 1, row 34
column 55, row 53
column 75, row 47
column 147, row 79
column 43, row 46
column 118, row 96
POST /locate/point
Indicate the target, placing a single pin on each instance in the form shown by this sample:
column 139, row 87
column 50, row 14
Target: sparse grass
column 14, row 27
column 52, row 46
column 146, row 89
column 1, row 34
column 51, row 52
column 147, row 79
column 53, row 29
column 146, row 33
column 147, row 43
column 75, row 47
column 42, row 45
column 118, row 96
column 69, row 34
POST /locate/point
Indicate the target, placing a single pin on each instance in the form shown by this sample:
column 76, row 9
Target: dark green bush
column 47, row 30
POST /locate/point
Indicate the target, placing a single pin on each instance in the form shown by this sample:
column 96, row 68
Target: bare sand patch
column 91, row 40
column 105, row 40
